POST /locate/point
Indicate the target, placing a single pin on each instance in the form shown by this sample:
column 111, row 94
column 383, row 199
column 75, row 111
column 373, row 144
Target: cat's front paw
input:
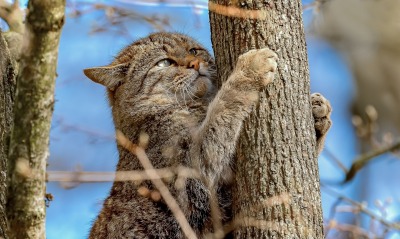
column 259, row 64
column 321, row 109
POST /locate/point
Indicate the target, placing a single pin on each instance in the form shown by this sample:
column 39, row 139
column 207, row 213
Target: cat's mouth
column 201, row 86
column 195, row 85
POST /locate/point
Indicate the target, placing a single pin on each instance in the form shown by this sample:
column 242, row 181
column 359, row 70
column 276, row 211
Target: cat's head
column 163, row 67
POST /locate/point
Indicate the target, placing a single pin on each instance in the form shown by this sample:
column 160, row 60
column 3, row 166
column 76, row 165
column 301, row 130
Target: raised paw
column 321, row 109
column 259, row 64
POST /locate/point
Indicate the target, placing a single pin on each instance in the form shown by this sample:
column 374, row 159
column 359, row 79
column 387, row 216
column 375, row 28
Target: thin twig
column 119, row 176
column 359, row 163
column 362, row 208
column 335, row 159
column 93, row 134
column 4, row 9
column 158, row 183
column 355, row 230
column 313, row 5
column 12, row 15
column 115, row 15
column 216, row 215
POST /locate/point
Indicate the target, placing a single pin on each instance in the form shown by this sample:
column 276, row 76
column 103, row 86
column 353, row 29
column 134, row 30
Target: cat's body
column 163, row 85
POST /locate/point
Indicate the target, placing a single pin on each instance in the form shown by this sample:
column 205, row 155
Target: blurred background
column 354, row 59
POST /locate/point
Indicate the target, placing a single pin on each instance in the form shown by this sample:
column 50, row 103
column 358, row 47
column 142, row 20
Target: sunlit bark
column 276, row 156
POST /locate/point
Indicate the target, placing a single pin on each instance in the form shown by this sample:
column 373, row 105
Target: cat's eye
column 193, row 51
column 165, row 63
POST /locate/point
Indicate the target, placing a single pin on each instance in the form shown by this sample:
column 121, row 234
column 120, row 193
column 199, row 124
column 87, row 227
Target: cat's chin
column 202, row 85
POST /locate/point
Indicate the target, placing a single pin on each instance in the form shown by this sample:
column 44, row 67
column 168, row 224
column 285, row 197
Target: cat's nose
column 195, row 63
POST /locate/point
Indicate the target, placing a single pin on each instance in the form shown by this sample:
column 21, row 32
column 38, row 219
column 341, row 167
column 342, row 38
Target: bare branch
column 4, row 9
column 12, row 15
column 335, row 159
column 158, row 183
column 315, row 5
column 356, row 231
column 216, row 215
column 120, row 176
column 361, row 207
column 115, row 16
column 94, row 135
column 359, row 163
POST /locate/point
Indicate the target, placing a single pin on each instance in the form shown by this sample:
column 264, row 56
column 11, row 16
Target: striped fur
column 189, row 122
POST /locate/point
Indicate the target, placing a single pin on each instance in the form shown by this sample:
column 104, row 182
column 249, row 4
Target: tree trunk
column 33, row 112
column 276, row 190
column 7, row 83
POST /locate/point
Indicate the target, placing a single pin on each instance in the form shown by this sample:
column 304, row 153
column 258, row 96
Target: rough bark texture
column 7, row 83
column 276, row 156
column 33, row 112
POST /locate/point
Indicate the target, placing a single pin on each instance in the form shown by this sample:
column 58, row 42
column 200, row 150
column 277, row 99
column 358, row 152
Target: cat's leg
column 214, row 141
column 321, row 109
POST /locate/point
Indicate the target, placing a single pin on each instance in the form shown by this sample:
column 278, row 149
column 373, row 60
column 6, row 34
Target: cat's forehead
column 172, row 39
column 165, row 41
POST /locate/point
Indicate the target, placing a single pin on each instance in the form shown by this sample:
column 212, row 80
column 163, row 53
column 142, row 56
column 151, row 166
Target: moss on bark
column 33, row 111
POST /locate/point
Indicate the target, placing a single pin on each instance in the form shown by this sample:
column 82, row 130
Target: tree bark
column 32, row 113
column 276, row 190
column 7, row 83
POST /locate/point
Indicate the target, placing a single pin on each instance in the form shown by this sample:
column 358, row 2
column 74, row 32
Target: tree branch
column 362, row 208
column 359, row 163
column 120, row 176
column 34, row 103
column 12, row 14
column 158, row 183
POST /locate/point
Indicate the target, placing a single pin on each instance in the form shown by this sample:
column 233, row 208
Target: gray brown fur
column 189, row 122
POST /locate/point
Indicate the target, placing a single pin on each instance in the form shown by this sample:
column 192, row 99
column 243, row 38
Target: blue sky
column 82, row 130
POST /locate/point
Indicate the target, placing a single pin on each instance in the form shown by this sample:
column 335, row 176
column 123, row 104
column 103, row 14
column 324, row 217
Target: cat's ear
column 110, row 76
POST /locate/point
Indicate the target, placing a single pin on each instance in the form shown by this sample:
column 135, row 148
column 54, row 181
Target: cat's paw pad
column 260, row 64
column 321, row 109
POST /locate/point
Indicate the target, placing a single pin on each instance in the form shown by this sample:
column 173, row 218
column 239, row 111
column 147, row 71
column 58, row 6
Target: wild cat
column 165, row 85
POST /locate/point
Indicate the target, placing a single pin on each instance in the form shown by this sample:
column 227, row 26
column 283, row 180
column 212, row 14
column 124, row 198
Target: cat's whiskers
column 177, row 101
column 184, row 99
column 183, row 85
column 172, row 87
column 189, row 93
column 188, row 90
